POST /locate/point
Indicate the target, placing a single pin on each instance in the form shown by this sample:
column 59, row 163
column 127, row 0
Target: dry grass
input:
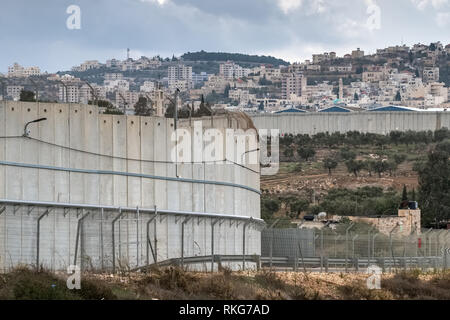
column 176, row 283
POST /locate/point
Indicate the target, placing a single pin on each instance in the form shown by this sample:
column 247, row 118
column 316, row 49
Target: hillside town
column 413, row 78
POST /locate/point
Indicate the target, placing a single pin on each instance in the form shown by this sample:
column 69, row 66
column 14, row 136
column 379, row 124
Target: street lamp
column 36, row 88
column 26, row 132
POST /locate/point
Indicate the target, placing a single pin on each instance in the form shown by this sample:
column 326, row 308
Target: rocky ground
column 175, row 283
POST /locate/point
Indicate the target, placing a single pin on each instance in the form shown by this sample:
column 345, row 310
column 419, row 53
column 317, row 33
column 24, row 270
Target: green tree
column 26, row 95
column 392, row 167
column 261, row 106
column 354, row 166
column 306, row 152
column 398, row 96
column 203, row 110
column 404, row 194
column 109, row 107
column 269, row 207
column 288, row 153
column 380, row 166
column 330, row 164
column 298, row 206
column 399, row 158
column 413, row 194
column 346, row 154
column 434, row 188
column 141, row 107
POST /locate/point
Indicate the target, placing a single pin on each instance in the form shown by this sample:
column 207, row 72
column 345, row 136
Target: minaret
column 341, row 89
column 128, row 53
column 159, row 103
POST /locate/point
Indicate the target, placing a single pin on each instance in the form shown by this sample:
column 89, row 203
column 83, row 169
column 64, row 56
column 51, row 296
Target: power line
column 129, row 159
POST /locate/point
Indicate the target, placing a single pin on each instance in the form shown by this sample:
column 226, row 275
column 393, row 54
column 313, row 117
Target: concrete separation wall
column 373, row 122
column 79, row 156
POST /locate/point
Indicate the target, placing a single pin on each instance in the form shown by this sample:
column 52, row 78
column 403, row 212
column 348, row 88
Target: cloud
column 288, row 5
column 290, row 29
column 443, row 19
column 436, row 4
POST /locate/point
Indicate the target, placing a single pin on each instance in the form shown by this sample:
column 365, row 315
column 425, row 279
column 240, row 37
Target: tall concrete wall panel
column 60, row 162
column 373, row 122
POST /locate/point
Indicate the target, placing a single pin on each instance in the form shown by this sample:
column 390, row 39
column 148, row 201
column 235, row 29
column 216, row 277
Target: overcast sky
column 35, row 32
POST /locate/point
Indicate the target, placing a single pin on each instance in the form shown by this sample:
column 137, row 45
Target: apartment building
column 326, row 56
column 373, row 76
column 113, row 63
column 180, row 76
column 18, row 71
column 127, row 99
column 430, row 74
column 199, row 77
column 14, row 92
column 113, row 76
column 293, row 84
column 341, row 69
column 180, row 72
column 231, row 70
column 271, row 74
column 242, row 96
column 87, row 65
column 86, row 93
column 69, row 93
column 357, row 54
column 113, row 85
column 215, row 83
column 182, row 85
column 148, row 86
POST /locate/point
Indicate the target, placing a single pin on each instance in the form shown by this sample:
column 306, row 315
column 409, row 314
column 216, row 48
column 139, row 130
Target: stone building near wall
column 405, row 223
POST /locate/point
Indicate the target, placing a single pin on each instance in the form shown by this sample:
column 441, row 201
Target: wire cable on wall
column 130, row 159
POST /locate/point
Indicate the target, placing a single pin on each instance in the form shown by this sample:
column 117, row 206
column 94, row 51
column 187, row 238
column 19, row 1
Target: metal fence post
column 368, row 245
column 373, row 244
column 149, row 242
column 137, row 236
column 101, row 239
column 243, row 244
column 213, row 222
column 79, row 225
column 114, row 240
column 446, row 249
column 390, row 244
column 405, row 241
column 271, row 247
column 444, row 262
column 301, row 253
column 321, row 250
column 346, row 245
column 47, row 211
column 353, row 252
column 182, row 240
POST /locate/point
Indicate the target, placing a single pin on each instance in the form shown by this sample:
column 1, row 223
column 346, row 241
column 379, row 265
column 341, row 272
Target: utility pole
column 125, row 103
column 93, row 93
column 36, row 87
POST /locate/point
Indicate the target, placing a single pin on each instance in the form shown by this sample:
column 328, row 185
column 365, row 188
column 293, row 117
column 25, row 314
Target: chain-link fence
column 54, row 236
column 327, row 250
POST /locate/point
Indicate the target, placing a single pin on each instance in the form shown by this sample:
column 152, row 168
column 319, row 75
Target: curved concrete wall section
column 373, row 122
column 79, row 156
